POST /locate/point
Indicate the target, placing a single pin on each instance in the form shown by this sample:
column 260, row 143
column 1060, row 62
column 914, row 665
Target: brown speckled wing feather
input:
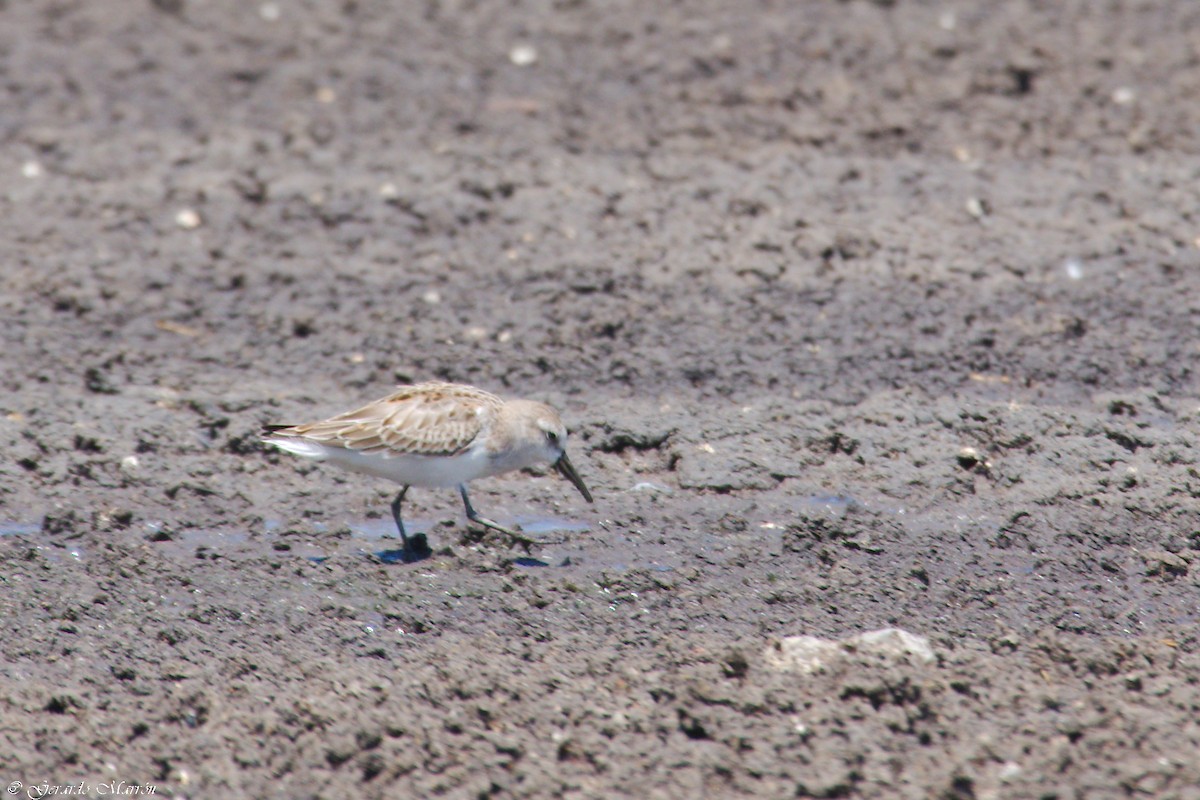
column 431, row 419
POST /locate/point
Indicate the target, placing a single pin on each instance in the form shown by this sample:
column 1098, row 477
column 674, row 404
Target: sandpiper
column 436, row 435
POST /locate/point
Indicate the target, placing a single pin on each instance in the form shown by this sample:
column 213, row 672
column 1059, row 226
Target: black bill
column 563, row 465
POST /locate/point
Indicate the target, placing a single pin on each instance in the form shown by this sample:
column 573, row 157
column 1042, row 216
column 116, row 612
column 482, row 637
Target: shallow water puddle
column 563, row 543
column 372, row 538
column 55, row 550
column 20, row 528
column 536, row 526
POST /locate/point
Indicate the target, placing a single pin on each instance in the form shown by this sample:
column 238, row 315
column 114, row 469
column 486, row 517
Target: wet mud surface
column 864, row 315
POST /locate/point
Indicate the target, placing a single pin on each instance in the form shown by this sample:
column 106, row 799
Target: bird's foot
column 416, row 548
column 516, row 537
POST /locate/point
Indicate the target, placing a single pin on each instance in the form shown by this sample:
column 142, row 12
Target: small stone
column 31, row 169
column 977, row 208
column 523, row 55
column 895, row 644
column 804, row 654
column 1009, row 770
column 808, row 655
column 187, row 219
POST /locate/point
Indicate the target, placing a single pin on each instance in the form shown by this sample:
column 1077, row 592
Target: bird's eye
column 552, row 437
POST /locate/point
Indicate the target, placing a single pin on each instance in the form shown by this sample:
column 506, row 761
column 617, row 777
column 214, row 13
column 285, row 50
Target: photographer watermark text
column 35, row 791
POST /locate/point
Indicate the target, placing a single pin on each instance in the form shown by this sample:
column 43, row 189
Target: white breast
column 410, row 470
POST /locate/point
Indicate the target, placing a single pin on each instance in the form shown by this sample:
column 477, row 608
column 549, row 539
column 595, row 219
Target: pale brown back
column 432, row 419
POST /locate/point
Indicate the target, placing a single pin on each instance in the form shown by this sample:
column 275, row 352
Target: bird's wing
column 430, row 419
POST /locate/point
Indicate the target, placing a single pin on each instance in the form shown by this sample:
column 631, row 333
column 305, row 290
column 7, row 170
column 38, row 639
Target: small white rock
column 432, row 297
column 269, row 11
column 1074, row 269
column 31, row 169
column 808, row 655
column 389, row 191
column 804, row 654
column 896, row 643
column 523, row 55
column 969, row 457
column 1123, row 96
column 187, row 219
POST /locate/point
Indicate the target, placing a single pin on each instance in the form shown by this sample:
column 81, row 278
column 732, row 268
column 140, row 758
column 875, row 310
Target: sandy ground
column 865, row 315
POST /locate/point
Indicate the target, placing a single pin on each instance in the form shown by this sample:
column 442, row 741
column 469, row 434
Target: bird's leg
column 487, row 523
column 411, row 552
column 396, row 515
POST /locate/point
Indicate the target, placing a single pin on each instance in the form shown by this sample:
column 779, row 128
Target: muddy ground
column 864, row 315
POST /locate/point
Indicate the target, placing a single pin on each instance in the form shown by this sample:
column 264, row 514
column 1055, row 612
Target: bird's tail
column 275, row 434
